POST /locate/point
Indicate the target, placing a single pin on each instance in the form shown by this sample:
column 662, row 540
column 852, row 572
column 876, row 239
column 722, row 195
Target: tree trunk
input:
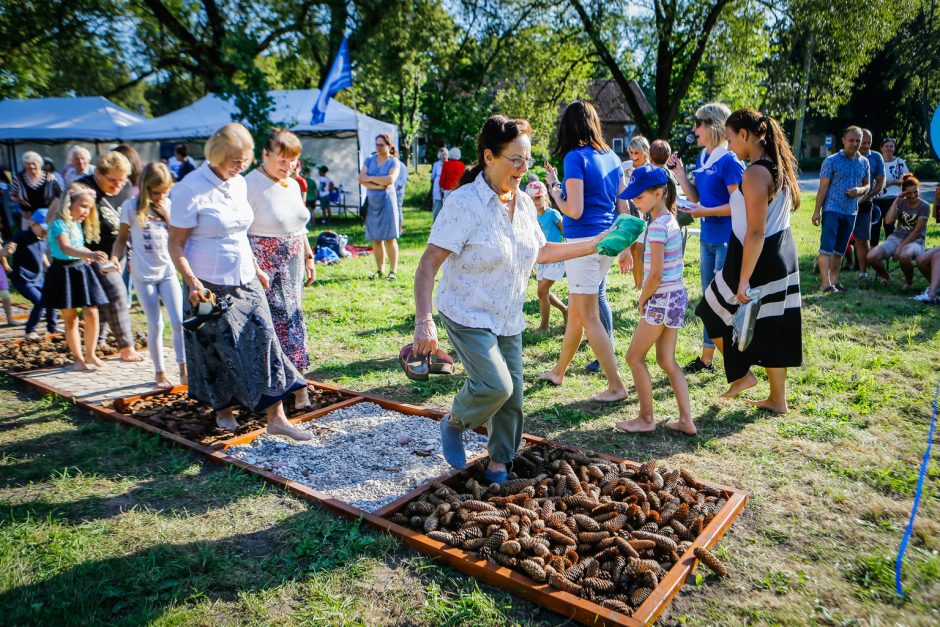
column 804, row 92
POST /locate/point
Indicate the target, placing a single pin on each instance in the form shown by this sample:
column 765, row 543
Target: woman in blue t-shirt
column 588, row 201
column 717, row 173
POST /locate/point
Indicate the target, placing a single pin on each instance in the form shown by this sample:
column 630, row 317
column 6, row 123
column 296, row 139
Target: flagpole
column 358, row 144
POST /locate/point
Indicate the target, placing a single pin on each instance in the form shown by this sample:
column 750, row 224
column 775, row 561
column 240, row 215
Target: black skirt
column 70, row 285
column 235, row 358
column 778, row 333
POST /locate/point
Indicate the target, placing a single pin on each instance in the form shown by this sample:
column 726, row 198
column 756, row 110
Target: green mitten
column 625, row 230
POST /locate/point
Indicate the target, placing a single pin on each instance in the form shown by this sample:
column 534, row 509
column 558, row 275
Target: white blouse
column 278, row 206
column 483, row 282
column 219, row 215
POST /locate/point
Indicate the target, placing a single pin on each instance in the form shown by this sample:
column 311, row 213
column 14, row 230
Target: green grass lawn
column 101, row 524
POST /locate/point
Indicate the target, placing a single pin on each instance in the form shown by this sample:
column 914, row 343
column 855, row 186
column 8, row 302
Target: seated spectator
column 79, row 165
column 48, row 166
column 451, row 172
column 929, row 264
column 908, row 213
column 181, row 163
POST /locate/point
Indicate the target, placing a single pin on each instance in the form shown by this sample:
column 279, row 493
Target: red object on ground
column 451, row 172
column 356, row 251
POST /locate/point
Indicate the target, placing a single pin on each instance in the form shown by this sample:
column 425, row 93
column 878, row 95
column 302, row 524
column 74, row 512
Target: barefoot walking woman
column 485, row 241
column 588, row 200
column 761, row 255
column 234, row 357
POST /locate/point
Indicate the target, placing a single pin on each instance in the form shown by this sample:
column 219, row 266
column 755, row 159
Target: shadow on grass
column 139, row 587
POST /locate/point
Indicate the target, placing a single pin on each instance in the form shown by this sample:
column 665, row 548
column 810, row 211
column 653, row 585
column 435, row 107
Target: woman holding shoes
column 234, row 357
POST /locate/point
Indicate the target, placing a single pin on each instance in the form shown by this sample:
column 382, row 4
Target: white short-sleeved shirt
column 278, row 206
column 483, row 282
column 219, row 215
column 151, row 261
column 436, row 193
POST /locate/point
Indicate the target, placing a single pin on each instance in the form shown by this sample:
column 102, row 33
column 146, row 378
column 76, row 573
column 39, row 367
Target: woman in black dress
column 761, row 255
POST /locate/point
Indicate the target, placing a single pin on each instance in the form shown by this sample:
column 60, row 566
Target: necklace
column 503, row 197
column 281, row 182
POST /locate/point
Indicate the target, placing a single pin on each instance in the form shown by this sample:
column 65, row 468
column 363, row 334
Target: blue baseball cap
column 643, row 178
column 39, row 216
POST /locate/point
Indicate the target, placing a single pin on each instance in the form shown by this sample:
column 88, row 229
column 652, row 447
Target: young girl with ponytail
column 761, row 255
column 144, row 221
column 662, row 301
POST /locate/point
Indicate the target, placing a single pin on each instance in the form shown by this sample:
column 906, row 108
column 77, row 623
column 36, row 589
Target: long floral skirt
column 282, row 259
column 235, row 358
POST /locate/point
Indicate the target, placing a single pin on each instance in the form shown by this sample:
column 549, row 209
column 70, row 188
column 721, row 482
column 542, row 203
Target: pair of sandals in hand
column 421, row 367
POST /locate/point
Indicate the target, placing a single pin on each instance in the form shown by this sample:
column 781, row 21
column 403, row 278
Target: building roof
column 611, row 105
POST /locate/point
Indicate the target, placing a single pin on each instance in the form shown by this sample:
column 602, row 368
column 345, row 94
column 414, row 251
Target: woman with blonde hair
column 278, row 237
column 232, row 351
column 144, row 222
column 718, row 174
column 70, row 283
column 383, row 221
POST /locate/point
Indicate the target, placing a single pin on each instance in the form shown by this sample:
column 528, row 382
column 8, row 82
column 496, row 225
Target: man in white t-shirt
column 437, row 196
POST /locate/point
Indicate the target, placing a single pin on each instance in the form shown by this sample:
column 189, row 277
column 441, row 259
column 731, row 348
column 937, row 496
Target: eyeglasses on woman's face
column 116, row 181
column 518, row 162
column 380, row 144
column 700, row 122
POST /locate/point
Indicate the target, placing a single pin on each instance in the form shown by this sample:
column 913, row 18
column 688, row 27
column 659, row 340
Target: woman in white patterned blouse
column 485, row 241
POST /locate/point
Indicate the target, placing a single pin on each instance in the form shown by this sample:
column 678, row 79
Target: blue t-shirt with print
column 843, row 174
column 601, row 173
column 712, row 185
column 549, row 221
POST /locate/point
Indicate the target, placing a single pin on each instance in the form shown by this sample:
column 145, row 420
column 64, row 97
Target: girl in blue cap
column 663, row 299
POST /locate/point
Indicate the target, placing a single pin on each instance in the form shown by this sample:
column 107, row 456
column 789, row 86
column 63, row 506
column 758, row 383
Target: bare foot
column 683, row 426
column 286, row 428
column 95, row 361
column 302, row 399
column 81, row 366
column 226, row 421
column 736, row 387
column 131, row 355
column 162, row 382
column 637, row 425
column 609, row 396
column 551, row 377
column 770, row 406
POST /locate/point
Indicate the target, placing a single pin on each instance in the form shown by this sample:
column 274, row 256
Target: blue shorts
column 836, row 231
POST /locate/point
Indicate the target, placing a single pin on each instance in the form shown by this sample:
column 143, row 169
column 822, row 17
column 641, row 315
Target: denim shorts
column 862, row 230
column 836, row 231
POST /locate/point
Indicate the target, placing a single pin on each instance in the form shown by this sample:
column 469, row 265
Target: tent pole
column 359, row 158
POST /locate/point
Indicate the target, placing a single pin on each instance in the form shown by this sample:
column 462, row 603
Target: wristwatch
column 556, row 185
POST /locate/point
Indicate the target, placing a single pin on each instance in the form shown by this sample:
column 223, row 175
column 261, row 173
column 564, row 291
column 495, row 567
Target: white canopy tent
column 51, row 126
column 341, row 142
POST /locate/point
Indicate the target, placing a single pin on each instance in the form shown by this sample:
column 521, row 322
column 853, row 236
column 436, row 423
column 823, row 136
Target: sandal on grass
column 376, row 275
column 392, row 276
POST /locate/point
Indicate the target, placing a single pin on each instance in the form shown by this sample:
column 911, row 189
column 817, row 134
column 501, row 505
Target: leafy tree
column 674, row 36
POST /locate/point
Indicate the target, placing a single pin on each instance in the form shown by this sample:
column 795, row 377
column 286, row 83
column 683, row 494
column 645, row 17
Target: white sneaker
column 863, row 275
column 926, row 297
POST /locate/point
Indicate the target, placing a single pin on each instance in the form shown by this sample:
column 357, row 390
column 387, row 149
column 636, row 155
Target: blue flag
column 340, row 77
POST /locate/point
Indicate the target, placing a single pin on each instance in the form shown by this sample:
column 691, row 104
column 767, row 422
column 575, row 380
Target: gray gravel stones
column 364, row 454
